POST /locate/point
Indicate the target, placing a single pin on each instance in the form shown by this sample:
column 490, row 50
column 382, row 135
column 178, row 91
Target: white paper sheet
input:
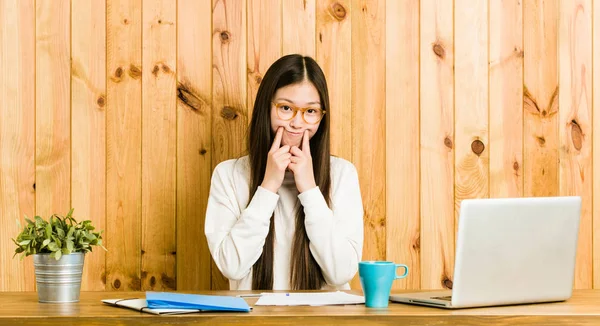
column 142, row 306
column 309, row 299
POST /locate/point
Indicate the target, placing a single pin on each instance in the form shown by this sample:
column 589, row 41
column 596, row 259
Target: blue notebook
column 170, row 300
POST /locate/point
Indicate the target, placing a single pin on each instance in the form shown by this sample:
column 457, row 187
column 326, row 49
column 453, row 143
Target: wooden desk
column 23, row 309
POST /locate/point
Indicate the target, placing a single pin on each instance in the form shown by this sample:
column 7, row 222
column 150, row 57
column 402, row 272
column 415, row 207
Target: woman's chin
column 290, row 143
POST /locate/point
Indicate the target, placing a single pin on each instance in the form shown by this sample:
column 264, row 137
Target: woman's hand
column 277, row 161
column 301, row 165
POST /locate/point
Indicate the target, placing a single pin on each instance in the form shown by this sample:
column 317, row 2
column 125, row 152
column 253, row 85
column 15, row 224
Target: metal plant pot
column 58, row 281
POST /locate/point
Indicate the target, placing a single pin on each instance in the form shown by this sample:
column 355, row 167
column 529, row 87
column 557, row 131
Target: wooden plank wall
column 122, row 108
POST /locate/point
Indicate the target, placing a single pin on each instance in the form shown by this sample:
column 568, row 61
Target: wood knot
column 516, row 166
column 448, row 142
column 187, row 97
column 338, row 11
column 160, row 21
column 135, row 72
column 152, row 281
column 143, row 251
column 34, row 186
column 518, row 52
column 117, row 284
column 320, row 37
column 447, row 283
column 417, row 244
column 225, row 36
column 576, row 135
column 438, row 49
column 118, row 75
column 477, row 147
column 529, row 102
column 125, row 21
column 228, row 113
column 541, row 140
column 166, row 69
column 258, row 79
column 144, row 274
column 202, row 151
column 155, row 70
column 168, row 282
column 101, row 101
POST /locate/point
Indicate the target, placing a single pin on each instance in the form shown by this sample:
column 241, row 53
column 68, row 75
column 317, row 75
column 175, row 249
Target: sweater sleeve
column 336, row 235
column 236, row 235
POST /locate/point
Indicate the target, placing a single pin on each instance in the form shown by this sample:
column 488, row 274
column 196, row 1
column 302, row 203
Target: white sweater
column 236, row 230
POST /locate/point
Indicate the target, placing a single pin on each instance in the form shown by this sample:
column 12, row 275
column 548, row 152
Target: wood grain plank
column 264, row 42
column 368, row 121
column 436, row 242
column 123, row 144
column 334, row 55
column 506, row 98
column 194, row 153
column 402, row 141
column 575, row 121
column 540, row 98
column 53, row 114
column 596, row 146
column 159, row 137
column 88, row 103
column 17, row 137
column 299, row 27
column 230, row 114
column 471, row 102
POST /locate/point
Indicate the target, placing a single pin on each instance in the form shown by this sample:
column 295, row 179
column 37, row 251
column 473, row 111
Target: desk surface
column 22, row 308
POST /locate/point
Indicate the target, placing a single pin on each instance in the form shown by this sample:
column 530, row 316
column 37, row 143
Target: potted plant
column 58, row 247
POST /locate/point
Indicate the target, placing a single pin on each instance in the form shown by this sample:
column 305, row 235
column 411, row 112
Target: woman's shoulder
column 231, row 167
column 340, row 166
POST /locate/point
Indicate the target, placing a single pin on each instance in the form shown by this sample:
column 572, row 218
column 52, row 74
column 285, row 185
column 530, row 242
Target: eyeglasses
column 310, row 115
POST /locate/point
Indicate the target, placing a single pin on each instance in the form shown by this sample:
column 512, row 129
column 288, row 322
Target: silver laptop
column 510, row 251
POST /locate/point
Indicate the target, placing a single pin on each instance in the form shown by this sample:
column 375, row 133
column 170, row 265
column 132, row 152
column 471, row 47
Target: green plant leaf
column 52, row 246
column 56, row 254
column 45, row 243
column 38, row 221
column 48, row 230
column 24, row 242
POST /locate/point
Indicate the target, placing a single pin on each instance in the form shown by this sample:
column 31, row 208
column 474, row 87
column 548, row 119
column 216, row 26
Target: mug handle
column 405, row 271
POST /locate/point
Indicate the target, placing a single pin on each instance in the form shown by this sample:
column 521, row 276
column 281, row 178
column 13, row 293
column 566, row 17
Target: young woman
column 289, row 215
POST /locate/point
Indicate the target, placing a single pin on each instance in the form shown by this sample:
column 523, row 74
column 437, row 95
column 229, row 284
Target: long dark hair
column 306, row 274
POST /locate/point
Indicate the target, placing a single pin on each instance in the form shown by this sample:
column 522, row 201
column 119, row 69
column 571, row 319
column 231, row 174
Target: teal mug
column 376, row 278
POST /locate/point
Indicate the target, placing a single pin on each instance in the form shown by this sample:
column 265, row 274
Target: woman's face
column 301, row 95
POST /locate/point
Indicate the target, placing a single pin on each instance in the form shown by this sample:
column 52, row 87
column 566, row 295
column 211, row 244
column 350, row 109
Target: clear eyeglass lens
column 311, row 115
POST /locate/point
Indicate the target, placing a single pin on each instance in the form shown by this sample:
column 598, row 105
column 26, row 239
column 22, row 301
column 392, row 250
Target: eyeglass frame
column 296, row 109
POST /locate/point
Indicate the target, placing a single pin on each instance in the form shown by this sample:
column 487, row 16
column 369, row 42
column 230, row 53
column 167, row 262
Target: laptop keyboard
column 446, row 298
